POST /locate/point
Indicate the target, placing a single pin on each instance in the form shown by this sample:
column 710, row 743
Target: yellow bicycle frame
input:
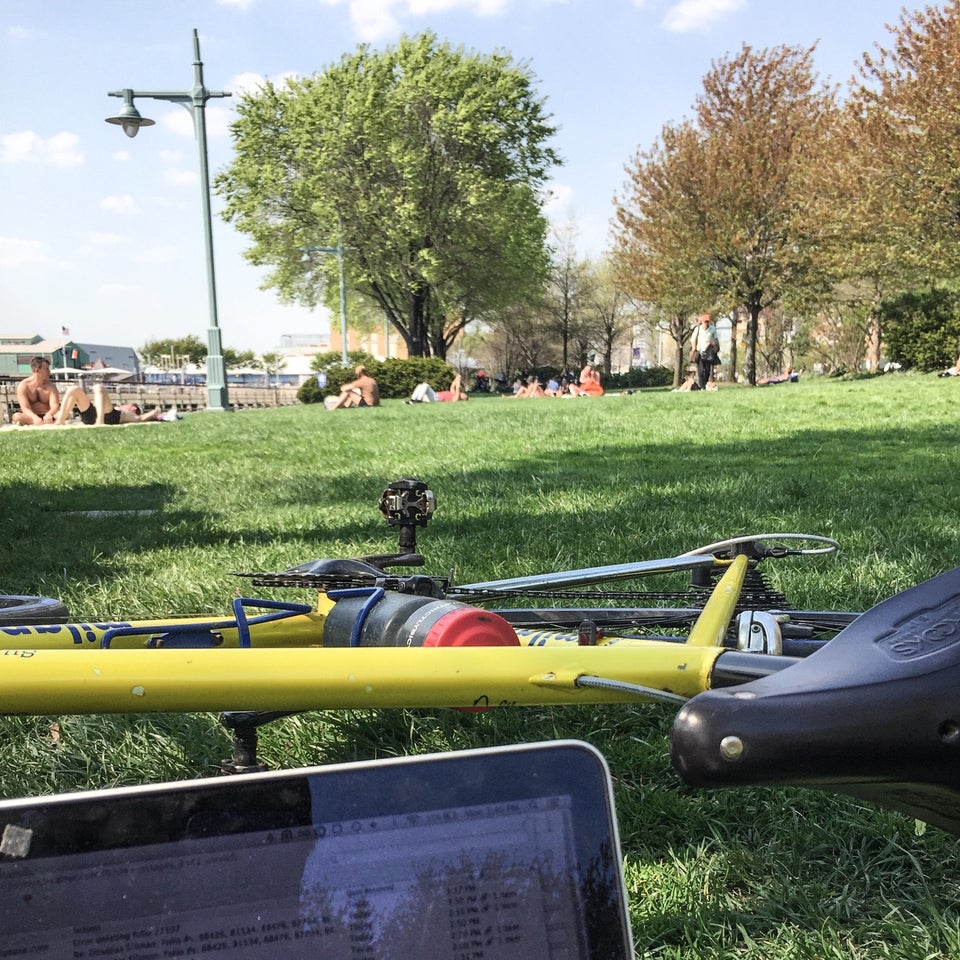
column 286, row 669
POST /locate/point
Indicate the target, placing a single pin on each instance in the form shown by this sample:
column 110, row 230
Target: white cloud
column 103, row 239
column 25, row 146
column 375, row 19
column 240, row 4
column 162, row 253
column 17, row 33
column 122, row 155
column 180, row 121
column 697, row 14
column 177, row 177
column 124, row 292
column 15, row 252
column 171, row 156
column 483, row 8
column 244, row 83
column 122, row 203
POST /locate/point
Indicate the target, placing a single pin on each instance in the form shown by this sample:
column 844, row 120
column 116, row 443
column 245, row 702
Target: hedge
column 396, row 378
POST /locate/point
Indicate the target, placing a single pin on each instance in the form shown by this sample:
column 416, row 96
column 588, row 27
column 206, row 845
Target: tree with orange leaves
column 716, row 205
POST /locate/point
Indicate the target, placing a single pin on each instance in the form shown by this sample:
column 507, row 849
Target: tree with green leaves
column 923, row 328
column 426, row 164
column 272, row 365
column 174, row 352
column 238, row 359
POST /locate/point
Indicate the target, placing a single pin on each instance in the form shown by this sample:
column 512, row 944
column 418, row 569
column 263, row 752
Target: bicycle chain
column 328, row 582
column 755, row 595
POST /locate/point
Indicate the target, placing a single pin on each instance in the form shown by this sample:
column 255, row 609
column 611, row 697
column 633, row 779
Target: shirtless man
column 362, row 392
column 37, row 395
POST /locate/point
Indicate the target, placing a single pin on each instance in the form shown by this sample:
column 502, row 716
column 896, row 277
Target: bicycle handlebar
column 875, row 713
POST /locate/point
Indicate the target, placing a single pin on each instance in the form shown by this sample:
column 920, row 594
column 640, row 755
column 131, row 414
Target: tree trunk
column 417, row 342
column 874, row 343
column 734, row 324
column 679, row 333
column 750, row 344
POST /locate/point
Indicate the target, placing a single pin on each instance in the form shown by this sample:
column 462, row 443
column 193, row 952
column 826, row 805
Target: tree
column 426, row 162
column 567, row 292
column 729, row 189
column 654, row 259
column 612, row 311
column 522, row 340
column 923, row 328
column 907, row 107
column 271, row 364
column 237, row 359
column 174, row 352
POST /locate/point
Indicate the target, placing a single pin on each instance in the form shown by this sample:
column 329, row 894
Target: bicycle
column 755, row 706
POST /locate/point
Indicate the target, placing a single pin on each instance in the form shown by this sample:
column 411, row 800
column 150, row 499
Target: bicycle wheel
column 16, row 611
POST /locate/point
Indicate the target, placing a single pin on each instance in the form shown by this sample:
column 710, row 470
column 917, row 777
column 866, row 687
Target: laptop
column 502, row 853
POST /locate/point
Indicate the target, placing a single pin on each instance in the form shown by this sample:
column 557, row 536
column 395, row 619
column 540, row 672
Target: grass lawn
column 526, row 487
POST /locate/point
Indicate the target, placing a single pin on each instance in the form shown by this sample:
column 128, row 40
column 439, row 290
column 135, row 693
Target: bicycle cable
column 621, row 686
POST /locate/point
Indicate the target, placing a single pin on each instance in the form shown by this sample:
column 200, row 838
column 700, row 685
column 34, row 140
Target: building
column 17, row 350
column 381, row 343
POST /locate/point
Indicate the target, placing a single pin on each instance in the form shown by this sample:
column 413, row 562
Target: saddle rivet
column 731, row 748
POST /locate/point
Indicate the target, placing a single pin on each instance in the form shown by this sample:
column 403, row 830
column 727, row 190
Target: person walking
column 704, row 350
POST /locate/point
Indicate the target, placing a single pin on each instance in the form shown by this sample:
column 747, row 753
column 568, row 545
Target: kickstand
column 244, row 725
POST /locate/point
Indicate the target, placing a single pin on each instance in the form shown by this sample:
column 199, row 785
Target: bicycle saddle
column 875, row 713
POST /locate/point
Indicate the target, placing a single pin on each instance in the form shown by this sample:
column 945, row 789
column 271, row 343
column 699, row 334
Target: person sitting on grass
column 362, row 392
column 37, row 396
column 531, row 389
column 101, row 409
column 589, row 385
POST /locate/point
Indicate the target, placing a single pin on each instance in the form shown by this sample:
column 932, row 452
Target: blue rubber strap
column 373, row 595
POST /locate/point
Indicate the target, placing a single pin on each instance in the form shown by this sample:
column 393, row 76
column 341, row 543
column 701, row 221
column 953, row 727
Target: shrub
column 639, row 377
column 396, row 378
column 922, row 328
column 310, row 392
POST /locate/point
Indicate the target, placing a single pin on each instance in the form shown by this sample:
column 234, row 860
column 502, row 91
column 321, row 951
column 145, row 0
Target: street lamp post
column 195, row 100
column 338, row 252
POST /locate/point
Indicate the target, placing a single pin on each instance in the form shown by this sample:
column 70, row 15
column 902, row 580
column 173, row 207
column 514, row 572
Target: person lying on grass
column 101, row 409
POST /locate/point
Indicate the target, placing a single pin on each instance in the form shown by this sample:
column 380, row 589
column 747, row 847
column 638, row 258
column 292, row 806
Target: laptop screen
column 498, row 854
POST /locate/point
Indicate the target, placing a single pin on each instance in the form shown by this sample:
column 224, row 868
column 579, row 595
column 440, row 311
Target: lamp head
column 129, row 116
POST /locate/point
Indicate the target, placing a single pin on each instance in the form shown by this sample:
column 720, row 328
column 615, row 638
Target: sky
column 103, row 235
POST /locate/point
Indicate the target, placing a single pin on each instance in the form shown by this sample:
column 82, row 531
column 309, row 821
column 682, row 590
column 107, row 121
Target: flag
column 65, row 331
